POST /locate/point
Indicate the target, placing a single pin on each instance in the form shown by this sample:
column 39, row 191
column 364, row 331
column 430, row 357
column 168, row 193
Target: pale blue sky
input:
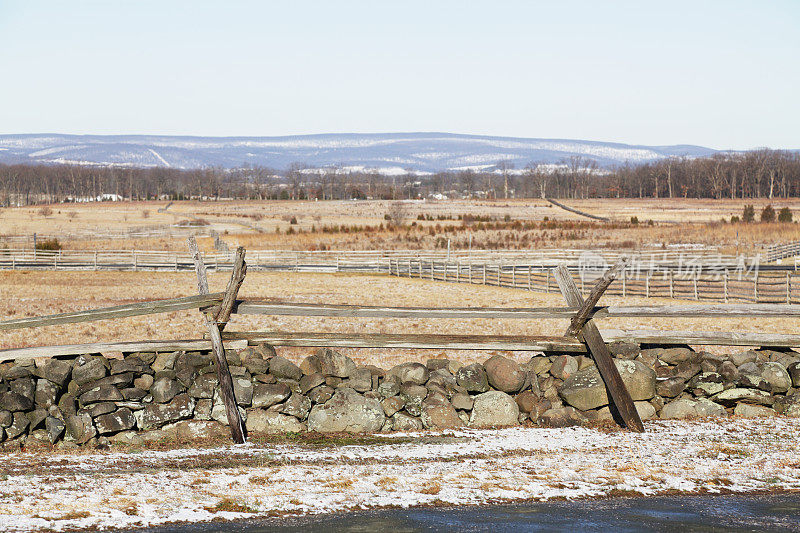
column 724, row 74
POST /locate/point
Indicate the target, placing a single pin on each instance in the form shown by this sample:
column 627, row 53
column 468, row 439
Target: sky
column 721, row 74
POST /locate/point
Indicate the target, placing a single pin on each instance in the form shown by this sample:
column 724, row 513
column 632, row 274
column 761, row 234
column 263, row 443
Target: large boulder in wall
column 586, row 390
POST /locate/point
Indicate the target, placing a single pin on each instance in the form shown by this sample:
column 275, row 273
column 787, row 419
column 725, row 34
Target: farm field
column 42, row 292
column 354, row 225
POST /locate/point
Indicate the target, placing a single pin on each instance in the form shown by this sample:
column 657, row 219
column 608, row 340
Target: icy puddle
column 467, row 467
column 706, row 513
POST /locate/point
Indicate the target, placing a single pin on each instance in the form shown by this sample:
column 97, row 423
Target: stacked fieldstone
column 140, row 397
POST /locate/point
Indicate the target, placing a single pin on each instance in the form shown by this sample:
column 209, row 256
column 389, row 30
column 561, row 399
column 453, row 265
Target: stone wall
column 141, row 397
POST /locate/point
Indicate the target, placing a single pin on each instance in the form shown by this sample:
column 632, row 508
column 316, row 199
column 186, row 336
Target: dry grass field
column 353, row 225
column 528, row 224
column 40, row 293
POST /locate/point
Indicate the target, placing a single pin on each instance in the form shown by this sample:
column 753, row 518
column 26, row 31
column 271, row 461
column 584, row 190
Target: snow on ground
column 40, row 491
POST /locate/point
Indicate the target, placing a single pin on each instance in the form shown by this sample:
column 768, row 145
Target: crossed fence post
column 216, row 318
column 583, row 327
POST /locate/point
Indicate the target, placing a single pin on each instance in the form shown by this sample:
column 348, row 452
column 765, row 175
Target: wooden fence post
column 725, row 285
column 694, row 281
column 755, row 287
column 590, row 335
column 223, row 372
column 647, row 286
column 529, row 278
column 788, row 289
column 484, row 273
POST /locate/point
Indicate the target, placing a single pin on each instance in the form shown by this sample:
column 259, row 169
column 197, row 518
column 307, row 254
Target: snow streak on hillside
column 391, row 152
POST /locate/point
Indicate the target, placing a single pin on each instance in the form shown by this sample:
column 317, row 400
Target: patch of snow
column 102, row 490
column 421, row 151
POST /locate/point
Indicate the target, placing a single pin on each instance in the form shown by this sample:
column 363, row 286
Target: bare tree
column 504, row 166
column 397, row 214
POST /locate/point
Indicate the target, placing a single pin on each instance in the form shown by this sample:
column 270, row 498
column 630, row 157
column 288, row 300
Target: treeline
column 756, row 174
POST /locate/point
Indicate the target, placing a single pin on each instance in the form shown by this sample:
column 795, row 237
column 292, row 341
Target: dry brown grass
column 675, row 221
column 231, row 506
column 339, row 484
column 77, row 218
column 431, row 488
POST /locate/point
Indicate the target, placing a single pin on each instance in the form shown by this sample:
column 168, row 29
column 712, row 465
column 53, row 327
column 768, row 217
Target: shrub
column 785, row 215
column 397, row 214
column 749, row 214
column 734, row 219
column 293, row 220
column 634, row 220
column 768, row 214
column 45, row 211
column 48, row 244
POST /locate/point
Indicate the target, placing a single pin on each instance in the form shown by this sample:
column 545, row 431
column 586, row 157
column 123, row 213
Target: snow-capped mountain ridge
column 426, row 152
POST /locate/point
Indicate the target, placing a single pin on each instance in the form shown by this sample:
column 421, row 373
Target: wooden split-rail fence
column 776, row 252
column 376, row 261
column 718, row 283
column 582, row 336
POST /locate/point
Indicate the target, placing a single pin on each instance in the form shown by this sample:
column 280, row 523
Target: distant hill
column 387, row 152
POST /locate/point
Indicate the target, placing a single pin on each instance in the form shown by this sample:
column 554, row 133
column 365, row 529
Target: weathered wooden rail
column 120, row 311
column 406, row 340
